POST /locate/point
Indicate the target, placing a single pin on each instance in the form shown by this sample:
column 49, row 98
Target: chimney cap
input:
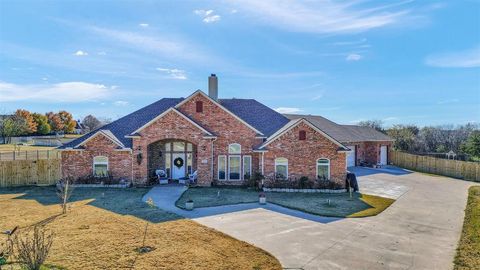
column 213, row 75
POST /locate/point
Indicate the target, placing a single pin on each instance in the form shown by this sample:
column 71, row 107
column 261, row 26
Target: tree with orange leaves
column 30, row 124
column 68, row 122
column 55, row 121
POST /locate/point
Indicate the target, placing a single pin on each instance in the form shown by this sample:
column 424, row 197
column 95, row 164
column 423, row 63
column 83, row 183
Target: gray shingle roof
column 251, row 111
column 343, row 133
column 256, row 114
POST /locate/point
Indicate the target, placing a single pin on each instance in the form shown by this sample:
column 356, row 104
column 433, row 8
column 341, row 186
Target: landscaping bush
column 254, row 181
column 91, row 179
column 302, row 183
column 33, row 248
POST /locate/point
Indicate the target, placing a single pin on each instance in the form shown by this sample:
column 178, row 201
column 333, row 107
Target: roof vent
column 213, row 87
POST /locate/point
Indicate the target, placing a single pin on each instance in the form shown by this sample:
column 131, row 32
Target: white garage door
column 351, row 156
column 383, row 155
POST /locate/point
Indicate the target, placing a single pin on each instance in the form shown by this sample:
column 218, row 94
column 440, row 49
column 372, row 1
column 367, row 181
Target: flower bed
column 304, row 190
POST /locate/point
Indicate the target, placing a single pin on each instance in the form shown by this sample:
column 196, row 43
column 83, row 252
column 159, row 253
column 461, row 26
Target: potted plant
column 189, row 205
column 262, row 198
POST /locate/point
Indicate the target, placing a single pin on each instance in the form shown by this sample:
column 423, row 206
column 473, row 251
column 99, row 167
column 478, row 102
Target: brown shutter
column 302, row 135
column 199, row 106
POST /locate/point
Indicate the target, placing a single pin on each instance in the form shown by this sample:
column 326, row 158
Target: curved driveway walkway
column 419, row 231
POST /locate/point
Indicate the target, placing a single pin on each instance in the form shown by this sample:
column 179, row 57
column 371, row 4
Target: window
column 100, row 166
column 302, row 135
column 222, row 167
column 234, row 148
column 281, row 168
column 323, row 169
column 178, row 146
column 247, row 167
column 234, row 167
column 199, row 106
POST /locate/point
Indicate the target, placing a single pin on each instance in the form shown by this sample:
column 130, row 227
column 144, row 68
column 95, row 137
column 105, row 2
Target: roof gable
column 174, row 110
column 107, row 134
column 293, row 123
column 199, row 92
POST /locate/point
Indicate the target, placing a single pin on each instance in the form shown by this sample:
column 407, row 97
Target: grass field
column 468, row 251
column 104, row 228
column 340, row 205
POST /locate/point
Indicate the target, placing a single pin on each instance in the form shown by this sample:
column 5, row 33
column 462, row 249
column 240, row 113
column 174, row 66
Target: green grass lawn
column 323, row 204
column 468, row 251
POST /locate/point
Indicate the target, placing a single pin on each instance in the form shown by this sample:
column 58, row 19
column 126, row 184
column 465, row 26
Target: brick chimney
column 213, row 87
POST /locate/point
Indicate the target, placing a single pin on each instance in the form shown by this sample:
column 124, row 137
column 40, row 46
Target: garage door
column 383, row 155
column 351, row 156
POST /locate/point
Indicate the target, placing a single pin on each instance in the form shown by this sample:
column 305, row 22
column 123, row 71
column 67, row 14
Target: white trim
column 263, row 162
column 225, row 166
column 219, row 105
column 280, row 163
column 323, row 164
column 99, row 163
column 243, row 165
column 294, row 123
column 239, row 165
column 239, row 152
column 260, row 150
column 70, row 149
column 123, row 149
column 133, row 136
column 107, row 134
column 172, row 109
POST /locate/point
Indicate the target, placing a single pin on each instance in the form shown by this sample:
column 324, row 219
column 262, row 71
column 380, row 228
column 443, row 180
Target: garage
column 351, row 156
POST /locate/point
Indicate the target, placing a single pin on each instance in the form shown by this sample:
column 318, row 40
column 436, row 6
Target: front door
column 178, row 168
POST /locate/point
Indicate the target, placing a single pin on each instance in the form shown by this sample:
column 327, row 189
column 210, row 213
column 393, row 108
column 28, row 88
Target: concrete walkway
column 419, row 231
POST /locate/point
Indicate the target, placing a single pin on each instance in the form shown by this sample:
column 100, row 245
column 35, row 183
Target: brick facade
column 302, row 155
column 136, row 164
column 79, row 163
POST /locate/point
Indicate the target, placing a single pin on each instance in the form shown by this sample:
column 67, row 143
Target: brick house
column 221, row 139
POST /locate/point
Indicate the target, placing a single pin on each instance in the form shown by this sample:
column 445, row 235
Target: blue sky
column 402, row 62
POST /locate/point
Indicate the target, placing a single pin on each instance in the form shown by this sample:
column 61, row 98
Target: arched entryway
column 176, row 157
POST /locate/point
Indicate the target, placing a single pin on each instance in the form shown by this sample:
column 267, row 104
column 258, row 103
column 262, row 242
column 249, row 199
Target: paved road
column 419, row 231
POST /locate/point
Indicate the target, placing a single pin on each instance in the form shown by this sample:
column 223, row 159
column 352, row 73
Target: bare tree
column 33, row 248
column 376, row 124
column 91, row 122
column 64, row 192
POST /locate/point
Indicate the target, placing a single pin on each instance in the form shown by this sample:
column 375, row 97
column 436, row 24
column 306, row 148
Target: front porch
column 171, row 161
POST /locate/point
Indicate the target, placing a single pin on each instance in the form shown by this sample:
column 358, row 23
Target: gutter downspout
column 263, row 160
column 211, row 167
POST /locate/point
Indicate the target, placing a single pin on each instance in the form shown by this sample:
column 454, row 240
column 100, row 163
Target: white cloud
column 288, row 110
column 207, row 15
column 143, row 24
column 102, row 53
column 120, row 103
column 233, row 11
column 317, row 97
column 323, row 16
column 162, row 44
column 59, row 92
column 353, row 57
column 211, row 19
column 177, row 74
column 391, row 118
column 463, row 59
column 80, row 53
column 448, row 101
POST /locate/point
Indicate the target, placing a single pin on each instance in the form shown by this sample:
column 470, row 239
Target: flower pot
column 189, row 206
column 262, row 200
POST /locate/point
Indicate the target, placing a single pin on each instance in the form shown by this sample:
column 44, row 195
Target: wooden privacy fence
column 29, row 172
column 29, row 155
column 447, row 167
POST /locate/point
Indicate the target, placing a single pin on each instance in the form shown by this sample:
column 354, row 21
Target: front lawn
column 323, row 204
column 468, row 251
column 104, row 227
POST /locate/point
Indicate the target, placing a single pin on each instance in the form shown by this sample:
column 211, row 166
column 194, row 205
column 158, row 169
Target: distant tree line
column 461, row 139
column 23, row 123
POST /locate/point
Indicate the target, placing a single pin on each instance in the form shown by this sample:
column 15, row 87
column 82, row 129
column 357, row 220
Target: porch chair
column 193, row 178
column 162, row 177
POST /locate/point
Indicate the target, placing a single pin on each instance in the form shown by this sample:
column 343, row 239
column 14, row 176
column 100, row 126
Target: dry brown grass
column 89, row 237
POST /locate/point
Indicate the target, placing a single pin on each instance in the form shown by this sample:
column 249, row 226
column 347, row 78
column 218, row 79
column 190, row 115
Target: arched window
column 281, row 168
column 234, row 148
column 323, row 169
column 199, row 106
column 302, row 135
column 100, row 166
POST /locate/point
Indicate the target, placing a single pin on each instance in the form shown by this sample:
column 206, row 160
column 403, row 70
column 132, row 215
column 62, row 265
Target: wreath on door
column 178, row 162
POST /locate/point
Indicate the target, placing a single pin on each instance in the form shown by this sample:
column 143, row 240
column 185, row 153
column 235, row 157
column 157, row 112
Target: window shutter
column 199, row 106
column 302, row 135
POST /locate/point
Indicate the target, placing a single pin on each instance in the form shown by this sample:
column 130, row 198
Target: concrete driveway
column 419, row 231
